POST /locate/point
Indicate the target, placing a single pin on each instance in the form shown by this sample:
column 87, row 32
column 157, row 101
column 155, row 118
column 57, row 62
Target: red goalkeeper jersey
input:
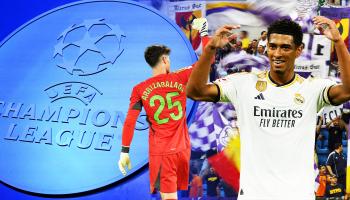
column 164, row 100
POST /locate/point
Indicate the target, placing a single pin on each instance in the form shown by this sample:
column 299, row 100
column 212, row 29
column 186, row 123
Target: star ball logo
column 85, row 49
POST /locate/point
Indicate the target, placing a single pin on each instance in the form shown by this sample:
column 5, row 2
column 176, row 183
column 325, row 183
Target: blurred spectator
column 336, row 163
column 220, row 53
column 237, row 47
column 212, row 180
column 263, row 39
column 318, row 127
column 245, row 40
column 261, row 50
column 196, row 185
column 253, row 47
column 336, row 127
column 321, row 190
column 335, row 190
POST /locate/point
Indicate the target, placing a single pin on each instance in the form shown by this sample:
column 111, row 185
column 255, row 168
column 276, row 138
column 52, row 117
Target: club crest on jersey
column 298, row 99
column 261, row 86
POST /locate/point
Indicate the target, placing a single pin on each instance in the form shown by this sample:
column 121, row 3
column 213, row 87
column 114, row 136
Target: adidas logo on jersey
column 260, row 97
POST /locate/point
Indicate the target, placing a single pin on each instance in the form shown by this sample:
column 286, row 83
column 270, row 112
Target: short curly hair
column 154, row 52
column 286, row 27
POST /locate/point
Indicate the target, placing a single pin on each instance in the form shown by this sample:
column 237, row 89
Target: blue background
column 14, row 14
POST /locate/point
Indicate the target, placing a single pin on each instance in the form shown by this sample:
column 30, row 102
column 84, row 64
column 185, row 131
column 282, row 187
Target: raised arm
column 197, row 86
column 340, row 93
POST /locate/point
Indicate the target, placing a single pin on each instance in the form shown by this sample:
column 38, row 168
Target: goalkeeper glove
column 201, row 24
column 124, row 161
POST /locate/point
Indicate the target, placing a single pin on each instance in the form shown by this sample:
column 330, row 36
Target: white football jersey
column 277, row 131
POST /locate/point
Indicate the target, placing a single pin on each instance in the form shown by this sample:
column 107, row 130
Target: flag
column 214, row 128
column 252, row 13
column 227, row 162
column 210, row 124
column 242, row 61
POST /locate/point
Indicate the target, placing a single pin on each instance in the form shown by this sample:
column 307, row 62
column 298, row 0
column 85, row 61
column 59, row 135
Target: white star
column 59, row 48
column 87, row 43
column 89, row 23
column 65, row 32
column 69, row 66
column 115, row 31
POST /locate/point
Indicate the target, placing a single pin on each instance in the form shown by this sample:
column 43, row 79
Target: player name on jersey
column 162, row 84
column 278, row 118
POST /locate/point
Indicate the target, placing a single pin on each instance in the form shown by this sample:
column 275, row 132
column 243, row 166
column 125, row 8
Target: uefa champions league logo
column 85, row 49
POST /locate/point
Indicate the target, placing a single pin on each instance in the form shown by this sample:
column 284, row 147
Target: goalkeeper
column 163, row 96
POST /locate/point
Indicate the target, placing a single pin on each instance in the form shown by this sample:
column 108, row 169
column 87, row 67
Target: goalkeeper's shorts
column 169, row 173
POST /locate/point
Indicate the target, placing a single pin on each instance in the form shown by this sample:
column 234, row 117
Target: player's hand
column 124, row 161
column 327, row 27
column 201, row 24
column 222, row 36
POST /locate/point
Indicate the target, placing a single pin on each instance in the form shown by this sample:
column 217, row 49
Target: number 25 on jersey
column 169, row 103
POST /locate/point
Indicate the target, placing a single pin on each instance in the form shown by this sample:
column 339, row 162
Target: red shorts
column 169, row 173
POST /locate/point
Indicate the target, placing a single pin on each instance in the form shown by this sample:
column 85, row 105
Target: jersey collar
column 289, row 83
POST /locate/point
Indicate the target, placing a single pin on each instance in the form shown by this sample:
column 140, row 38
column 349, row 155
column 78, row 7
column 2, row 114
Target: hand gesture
column 222, row 36
column 124, row 161
column 327, row 27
